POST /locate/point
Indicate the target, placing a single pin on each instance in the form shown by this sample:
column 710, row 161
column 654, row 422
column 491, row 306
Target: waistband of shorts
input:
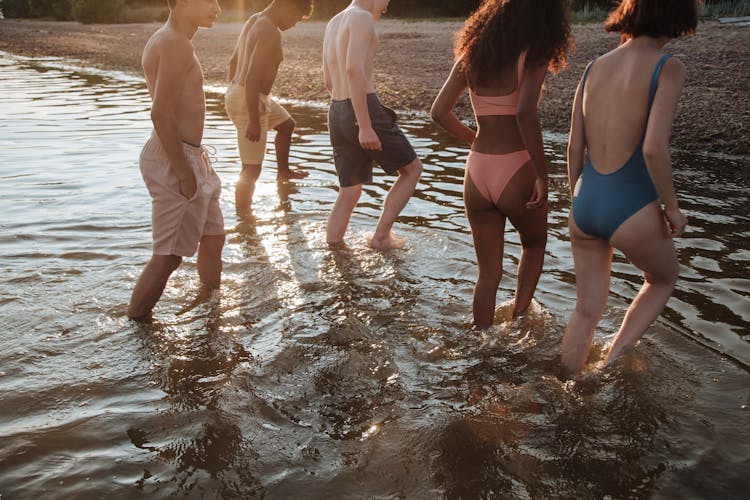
column 370, row 96
column 154, row 145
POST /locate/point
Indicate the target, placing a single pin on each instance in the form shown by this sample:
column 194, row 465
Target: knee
column 534, row 241
column 590, row 311
column 287, row 128
column 250, row 173
column 412, row 170
column 173, row 262
column 490, row 277
column 350, row 194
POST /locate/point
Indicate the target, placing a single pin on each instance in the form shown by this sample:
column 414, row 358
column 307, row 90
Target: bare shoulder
column 167, row 42
column 359, row 18
column 674, row 68
column 264, row 29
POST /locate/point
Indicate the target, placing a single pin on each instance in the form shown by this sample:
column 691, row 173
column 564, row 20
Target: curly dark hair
column 657, row 18
column 500, row 30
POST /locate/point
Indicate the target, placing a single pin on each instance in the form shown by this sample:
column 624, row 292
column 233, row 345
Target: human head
column 655, row 18
column 379, row 7
column 293, row 11
column 203, row 13
column 500, row 30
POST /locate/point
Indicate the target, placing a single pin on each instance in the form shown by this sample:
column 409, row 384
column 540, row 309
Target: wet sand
column 414, row 59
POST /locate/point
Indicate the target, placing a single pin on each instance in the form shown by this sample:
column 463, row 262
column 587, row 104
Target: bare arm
column 442, row 108
column 265, row 59
column 233, row 63
column 361, row 35
column 656, row 141
column 175, row 60
column 576, row 140
column 527, row 116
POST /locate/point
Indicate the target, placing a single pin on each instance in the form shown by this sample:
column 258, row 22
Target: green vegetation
column 125, row 11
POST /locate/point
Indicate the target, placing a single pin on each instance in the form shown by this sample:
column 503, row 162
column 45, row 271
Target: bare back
column 175, row 81
column 247, row 57
column 615, row 105
column 350, row 40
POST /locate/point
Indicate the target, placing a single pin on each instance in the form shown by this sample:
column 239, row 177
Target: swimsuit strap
column 655, row 80
column 586, row 75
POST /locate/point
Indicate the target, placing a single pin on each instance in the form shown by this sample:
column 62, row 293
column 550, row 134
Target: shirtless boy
column 183, row 186
column 362, row 130
column 252, row 71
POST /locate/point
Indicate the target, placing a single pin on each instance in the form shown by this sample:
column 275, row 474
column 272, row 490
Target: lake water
column 337, row 374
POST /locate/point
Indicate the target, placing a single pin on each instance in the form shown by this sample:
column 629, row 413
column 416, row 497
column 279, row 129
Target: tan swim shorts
column 178, row 223
column 271, row 114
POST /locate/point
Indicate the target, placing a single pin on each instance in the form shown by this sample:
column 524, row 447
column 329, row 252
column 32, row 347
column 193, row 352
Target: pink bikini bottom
column 490, row 173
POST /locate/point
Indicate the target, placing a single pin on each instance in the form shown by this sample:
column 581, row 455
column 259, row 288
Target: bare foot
column 388, row 242
column 291, row 174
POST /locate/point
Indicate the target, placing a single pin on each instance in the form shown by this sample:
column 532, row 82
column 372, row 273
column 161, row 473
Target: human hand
column 539, row 194
column 253, row 131
column 675, row 222
column 188, row 186
column 368, row 139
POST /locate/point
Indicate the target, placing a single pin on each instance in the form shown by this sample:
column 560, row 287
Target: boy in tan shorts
column 252, row 71
column 176, row 169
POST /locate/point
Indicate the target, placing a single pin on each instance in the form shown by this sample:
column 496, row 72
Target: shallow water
column 322, row 374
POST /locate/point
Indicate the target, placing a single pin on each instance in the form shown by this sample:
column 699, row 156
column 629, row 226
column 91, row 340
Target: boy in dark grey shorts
column 353, row 162
column 362, row 130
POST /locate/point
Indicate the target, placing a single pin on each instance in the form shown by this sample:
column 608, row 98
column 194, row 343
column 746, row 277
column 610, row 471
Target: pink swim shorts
column 178, row 223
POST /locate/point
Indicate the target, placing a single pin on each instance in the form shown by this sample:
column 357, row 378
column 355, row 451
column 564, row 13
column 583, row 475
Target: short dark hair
column 306, row 6
column 657, row 18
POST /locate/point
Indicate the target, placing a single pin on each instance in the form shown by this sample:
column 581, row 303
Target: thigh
column 644, row 241
column 592, row 261
column 487, row 225
column 276, row 113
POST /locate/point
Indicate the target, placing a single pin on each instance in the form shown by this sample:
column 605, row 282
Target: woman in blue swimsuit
column 620, row 172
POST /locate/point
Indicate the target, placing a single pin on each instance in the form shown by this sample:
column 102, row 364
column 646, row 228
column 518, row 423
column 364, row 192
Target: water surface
column 323, row 374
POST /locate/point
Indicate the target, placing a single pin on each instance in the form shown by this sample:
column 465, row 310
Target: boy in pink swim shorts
column 176, row 169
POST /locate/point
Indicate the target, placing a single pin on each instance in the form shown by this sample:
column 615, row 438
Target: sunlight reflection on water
column 351, row 373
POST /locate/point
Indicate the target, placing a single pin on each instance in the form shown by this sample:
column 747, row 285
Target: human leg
column 151, row 283
column 243, row 193
column 592, row 258
column 209, row 260
column 283, row 143
column 641, row 238
column 341, row 212
column 487, row 229
column 395, row 201
column 531, row 225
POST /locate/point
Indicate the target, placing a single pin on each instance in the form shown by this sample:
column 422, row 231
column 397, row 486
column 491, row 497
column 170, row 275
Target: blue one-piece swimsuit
column 602, row 202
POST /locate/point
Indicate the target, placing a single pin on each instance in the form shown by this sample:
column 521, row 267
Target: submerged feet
column 391, row 240
column 291, row 175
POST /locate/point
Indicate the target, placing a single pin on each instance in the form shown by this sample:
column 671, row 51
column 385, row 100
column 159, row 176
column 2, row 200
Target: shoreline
column 711, row 118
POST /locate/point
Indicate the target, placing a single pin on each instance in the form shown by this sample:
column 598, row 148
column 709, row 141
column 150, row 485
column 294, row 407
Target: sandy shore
column 414, row 59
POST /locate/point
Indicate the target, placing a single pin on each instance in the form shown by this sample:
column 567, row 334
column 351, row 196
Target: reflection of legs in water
column 243, row 194
column 395, row 201
column 341, row 212
column 283, row 143
column 150, row 285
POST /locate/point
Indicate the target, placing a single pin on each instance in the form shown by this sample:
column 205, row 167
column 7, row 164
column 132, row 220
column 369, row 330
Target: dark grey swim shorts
column 354, row 164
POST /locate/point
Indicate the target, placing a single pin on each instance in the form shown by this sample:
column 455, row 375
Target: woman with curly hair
column 502, row 57
column 620, row 172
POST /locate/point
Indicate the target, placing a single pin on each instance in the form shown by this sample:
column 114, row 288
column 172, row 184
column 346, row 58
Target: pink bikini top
column 500, row 104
